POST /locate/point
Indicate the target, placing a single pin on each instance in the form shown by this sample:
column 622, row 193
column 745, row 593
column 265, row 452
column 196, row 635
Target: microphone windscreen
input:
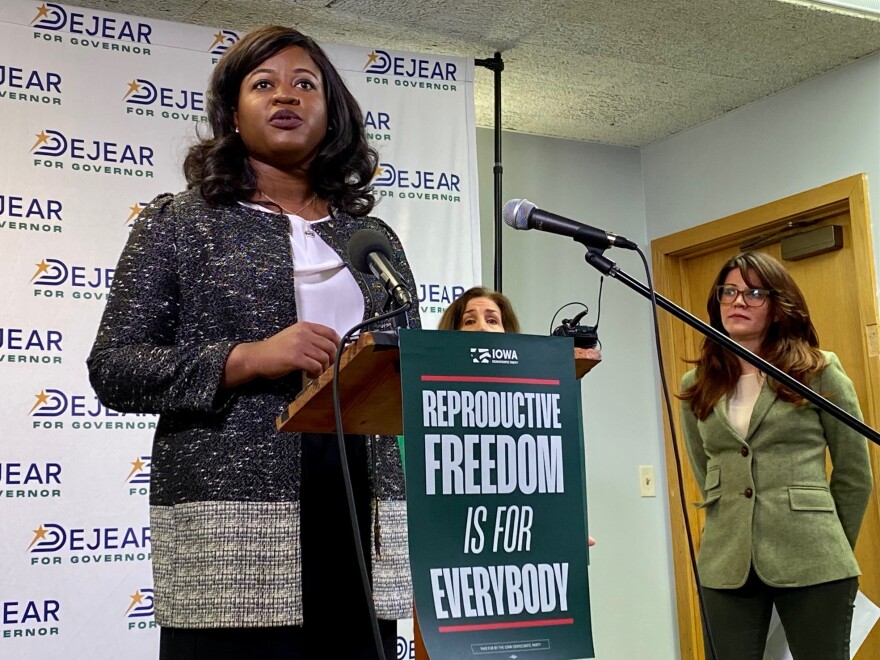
column 362, row 243
column 516, row 213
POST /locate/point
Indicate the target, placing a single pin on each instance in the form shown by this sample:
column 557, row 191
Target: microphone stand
column 396, row 313
column 597, row 260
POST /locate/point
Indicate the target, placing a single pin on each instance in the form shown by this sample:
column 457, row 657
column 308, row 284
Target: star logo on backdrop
column 42, row 12
column 42, row 400
column 218, row 39
column 372, row 58
column 135, row 209
column 136, row 599
column 133, row 87
column 42, row 269
column 137, row 466
column 39, row 535
column 42, row 138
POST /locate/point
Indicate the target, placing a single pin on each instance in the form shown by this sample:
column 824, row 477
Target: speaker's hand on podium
column 308, row 347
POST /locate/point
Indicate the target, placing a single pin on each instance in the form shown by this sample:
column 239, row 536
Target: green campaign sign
column 495, row 495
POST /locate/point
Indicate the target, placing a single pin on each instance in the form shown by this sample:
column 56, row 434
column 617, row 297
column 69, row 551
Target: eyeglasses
column 727, row 295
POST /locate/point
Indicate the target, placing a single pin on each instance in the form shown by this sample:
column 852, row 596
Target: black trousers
column 817, row 619
column 336, row 621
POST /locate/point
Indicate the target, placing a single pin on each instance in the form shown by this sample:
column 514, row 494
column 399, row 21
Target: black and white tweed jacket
column 193, row 281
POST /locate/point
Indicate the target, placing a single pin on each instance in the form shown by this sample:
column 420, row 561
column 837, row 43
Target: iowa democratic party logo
column 480, row 355
column 494, row 356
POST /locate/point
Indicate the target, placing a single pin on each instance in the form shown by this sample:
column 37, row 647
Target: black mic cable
column 707, row 628
column 363, row 248
column 346, row 473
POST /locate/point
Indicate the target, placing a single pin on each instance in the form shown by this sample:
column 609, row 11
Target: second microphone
column 370, row 252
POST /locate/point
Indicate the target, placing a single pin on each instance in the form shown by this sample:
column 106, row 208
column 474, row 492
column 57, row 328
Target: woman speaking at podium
column 225, row 294
column 776, row 532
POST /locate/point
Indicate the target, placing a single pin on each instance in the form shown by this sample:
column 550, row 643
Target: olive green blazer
column 767, row 499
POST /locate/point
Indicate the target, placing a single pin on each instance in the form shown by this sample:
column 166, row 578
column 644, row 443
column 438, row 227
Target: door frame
column 669, row 254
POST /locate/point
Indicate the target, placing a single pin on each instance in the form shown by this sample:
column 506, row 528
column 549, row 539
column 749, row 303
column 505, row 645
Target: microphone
column 522, row 214
column 370, row 252
column 578, row 317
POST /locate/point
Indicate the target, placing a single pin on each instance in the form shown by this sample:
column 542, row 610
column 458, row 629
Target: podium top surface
column 369, row 391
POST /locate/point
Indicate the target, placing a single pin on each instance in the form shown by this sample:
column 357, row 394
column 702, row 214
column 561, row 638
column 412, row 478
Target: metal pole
column 496, row 64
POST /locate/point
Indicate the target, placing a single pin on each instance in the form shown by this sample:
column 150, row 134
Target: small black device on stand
column 585, row 336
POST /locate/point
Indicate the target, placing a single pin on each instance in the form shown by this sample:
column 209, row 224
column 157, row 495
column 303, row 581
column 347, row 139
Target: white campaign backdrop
column 97, row 111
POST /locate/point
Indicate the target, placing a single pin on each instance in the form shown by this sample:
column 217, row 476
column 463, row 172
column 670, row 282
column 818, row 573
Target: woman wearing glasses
column 776, row 533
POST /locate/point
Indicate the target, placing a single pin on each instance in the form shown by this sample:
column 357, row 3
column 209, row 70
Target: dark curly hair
column 345, row 163
column 791, row 343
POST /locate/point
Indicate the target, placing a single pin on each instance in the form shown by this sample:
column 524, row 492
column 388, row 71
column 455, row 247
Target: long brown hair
column 451, row 319
column 791, row 343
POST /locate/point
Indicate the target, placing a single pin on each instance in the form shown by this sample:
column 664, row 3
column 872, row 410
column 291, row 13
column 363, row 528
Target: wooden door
column 841, row 294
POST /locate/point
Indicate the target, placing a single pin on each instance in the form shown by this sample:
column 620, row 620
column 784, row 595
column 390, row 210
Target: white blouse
column 326, row 291
column 741, row 402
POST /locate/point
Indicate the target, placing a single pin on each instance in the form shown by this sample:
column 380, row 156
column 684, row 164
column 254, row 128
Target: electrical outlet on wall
column 646, row 481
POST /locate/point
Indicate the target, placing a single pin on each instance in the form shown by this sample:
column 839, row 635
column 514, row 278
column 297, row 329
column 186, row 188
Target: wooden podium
column 369, row 390
column 371, row 402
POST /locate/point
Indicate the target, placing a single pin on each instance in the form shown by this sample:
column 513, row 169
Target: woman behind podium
column 481, row 310
column 776, row 532
column 225, row 295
